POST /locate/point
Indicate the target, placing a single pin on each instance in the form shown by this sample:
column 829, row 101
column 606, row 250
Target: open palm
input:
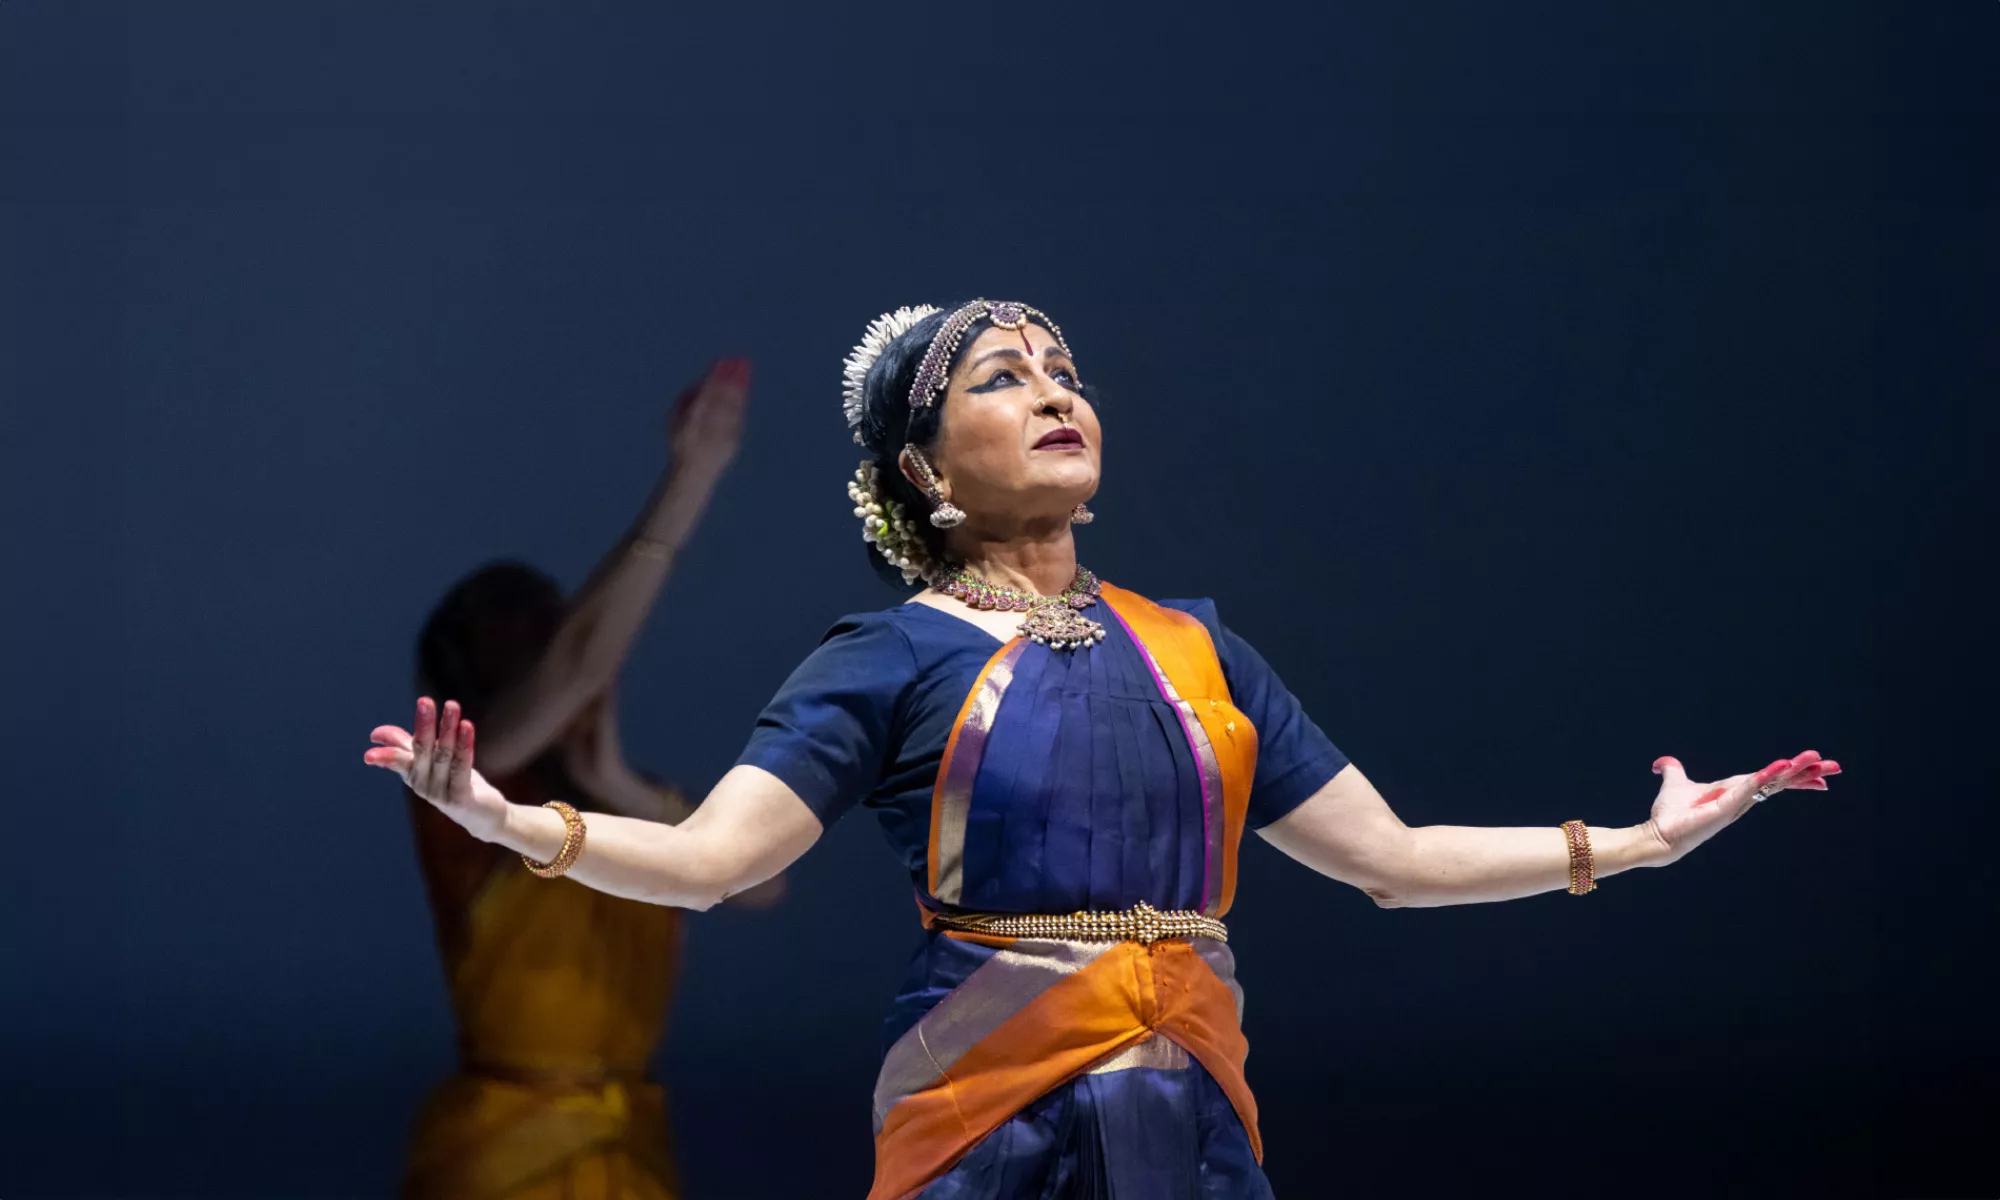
column 1687, row 813
column 436, row 762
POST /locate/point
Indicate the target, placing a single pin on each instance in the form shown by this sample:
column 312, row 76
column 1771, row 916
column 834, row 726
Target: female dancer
column 559, row 992
column 1066, row 769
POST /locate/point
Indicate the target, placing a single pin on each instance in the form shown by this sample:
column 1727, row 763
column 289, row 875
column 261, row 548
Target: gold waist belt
column 1139, row 923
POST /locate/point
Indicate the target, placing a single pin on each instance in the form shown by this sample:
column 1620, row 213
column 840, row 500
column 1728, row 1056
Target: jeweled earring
column 944, row 514
column 1081, row 515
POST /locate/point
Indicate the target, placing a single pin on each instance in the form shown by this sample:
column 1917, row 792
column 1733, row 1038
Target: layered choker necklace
column 1054, row 621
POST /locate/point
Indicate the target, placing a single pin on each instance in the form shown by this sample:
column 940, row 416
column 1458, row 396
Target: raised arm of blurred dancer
column 583, row 660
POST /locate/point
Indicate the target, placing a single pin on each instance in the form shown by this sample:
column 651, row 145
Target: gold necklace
column 1054, row 621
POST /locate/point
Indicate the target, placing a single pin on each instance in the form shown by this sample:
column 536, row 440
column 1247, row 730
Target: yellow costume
column 560, row 995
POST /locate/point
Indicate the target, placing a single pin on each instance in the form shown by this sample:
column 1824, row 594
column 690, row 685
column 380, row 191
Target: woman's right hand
column 436, row 763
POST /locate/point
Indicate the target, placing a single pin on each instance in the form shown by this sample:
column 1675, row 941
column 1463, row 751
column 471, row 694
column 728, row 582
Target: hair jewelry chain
column 1005, row 314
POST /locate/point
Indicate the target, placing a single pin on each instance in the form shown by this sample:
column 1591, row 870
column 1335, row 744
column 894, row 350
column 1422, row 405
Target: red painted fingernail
column 1711, row 796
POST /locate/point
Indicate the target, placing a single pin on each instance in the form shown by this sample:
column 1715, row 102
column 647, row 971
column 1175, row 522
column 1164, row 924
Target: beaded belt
column 1139, row 923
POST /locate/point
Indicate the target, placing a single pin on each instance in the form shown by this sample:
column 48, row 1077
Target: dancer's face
column 1016, row 438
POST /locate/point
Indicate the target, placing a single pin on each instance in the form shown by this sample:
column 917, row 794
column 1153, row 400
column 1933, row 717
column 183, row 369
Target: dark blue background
column 1542, row 388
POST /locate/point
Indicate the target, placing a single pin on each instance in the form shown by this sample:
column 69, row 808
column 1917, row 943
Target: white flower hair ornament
column 887, row 527
column 884, row 523
column 881, row 331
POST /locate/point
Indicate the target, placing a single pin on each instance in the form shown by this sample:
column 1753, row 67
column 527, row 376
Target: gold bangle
column 572, row 845
column 1582, row 863
column 652, row 548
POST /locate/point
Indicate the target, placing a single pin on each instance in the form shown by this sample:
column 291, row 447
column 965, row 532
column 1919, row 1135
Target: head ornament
column 884, row 522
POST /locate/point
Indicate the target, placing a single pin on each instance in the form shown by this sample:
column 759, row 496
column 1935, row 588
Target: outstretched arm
column 1347, row 831
column 751, row 826
column 583, row 658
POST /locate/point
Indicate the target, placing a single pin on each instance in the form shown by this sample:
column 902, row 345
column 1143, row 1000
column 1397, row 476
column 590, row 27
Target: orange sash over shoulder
column 1185, row 660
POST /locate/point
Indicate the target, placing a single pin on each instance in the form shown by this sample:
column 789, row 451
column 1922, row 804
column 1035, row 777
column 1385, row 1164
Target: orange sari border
column 1009, row 981
column 951, row 795
column 1180, row 647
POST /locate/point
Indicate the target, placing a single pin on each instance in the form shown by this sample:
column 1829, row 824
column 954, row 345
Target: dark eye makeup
column 1007, row 377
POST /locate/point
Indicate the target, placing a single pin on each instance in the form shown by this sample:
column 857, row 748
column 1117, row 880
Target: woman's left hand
column 1686, row 813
